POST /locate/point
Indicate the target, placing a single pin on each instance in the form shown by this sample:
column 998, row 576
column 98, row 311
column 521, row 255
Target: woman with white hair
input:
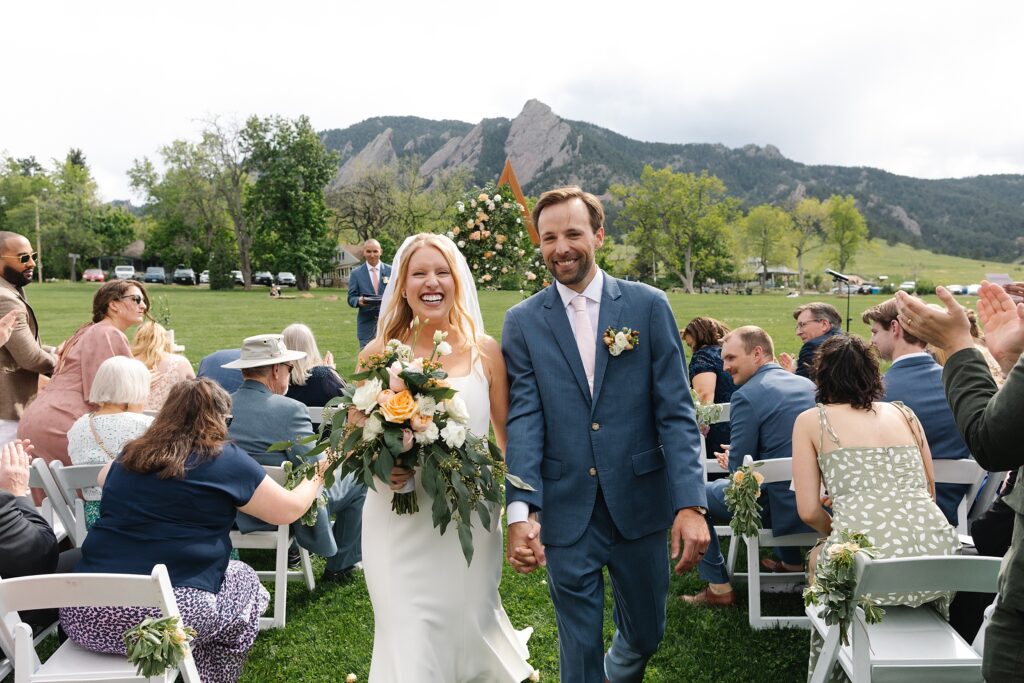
column 120, row 389
column 313, row 380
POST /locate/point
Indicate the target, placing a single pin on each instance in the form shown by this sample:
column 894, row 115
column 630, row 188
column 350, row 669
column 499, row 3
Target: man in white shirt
column 365, row 287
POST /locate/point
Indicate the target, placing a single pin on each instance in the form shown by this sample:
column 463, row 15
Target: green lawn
column 330, row 632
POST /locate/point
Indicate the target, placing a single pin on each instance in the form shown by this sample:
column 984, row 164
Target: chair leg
column 827, row 657
column 280, row 583
column 754, row 582
column 307, row 569
column 734, row 552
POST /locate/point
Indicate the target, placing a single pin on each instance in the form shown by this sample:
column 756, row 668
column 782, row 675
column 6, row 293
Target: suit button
column 592, row 471
column 594, row 426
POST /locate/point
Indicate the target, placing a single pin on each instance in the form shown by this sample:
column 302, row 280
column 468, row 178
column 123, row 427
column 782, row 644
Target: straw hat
column 263, row 349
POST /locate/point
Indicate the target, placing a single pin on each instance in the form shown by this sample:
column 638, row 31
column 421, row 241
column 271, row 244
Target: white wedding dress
column 435, row 619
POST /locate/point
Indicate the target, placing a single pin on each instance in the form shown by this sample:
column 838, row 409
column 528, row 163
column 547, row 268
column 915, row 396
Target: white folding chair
column 316, row 415
column 70, row 479
column 277, row 540
column 965, row 471
column 71, row 662
column 54, row 508
column 776, row 470
column 909, row 644
column 711, row 466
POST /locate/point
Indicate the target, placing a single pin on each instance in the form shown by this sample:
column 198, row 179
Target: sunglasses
column 137, row 298
column 25, row 258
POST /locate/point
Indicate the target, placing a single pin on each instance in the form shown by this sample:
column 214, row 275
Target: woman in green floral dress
column 875, row 465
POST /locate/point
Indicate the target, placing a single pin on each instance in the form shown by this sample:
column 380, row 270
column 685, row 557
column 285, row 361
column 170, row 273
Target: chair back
column 55, row 506
column 963, row 471
column 774, row 470
column 929, row 573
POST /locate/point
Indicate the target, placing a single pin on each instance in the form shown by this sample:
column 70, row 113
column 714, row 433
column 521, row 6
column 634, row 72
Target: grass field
column 330, row 631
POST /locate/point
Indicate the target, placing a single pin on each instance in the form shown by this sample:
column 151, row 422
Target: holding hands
column 523, row 547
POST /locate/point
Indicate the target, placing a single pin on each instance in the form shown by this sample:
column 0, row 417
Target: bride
column 436, row 619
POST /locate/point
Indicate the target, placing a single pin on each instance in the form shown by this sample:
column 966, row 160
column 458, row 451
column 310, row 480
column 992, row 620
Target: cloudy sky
column 923, row 89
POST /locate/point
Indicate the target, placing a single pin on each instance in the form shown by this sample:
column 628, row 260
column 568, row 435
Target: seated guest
column 119, row 389
column 915, row 379
column 171, row 498
column 762, row 413
column 815, row 322
column 152, row 346
column 314, row 381
column 262, row 416
column 874, row 461
column 707, row 374
column 116, row 306
column 213, row 366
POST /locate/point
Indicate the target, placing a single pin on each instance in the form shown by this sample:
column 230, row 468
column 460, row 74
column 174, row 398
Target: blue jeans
column 711, row 567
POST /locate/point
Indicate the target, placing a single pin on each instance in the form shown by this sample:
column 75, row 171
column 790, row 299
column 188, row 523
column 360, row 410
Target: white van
column 124, row 272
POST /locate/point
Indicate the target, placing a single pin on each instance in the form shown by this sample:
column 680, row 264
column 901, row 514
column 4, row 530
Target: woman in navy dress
column 707, row 374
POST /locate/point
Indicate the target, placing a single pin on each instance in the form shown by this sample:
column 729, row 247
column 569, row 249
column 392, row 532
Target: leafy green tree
column 846, row 232
column 808, row 233
column 765, row 230
column 286, row 203
column 675, row 216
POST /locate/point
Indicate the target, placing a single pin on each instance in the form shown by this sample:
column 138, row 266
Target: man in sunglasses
column 22, row 358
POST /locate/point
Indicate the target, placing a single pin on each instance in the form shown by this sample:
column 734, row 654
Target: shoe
column 345, row 576
column 706, row 597
column 294, row 558
column 770, row 564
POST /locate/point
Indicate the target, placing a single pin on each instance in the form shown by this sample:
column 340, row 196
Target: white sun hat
column 263, row 349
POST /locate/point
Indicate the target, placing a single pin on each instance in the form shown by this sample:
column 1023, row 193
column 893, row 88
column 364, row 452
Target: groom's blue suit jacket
column 637, row 438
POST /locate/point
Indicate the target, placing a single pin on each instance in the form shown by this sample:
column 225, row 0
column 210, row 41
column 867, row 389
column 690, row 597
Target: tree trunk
column 800, row 269
column 688, row 268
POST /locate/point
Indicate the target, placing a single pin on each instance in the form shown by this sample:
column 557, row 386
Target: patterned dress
column 883, row 493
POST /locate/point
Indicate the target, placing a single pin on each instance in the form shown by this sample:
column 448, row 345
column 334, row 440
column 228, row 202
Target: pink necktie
column 373, row 279
column 585, row 341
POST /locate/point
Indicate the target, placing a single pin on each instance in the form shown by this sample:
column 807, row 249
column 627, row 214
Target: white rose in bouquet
column 373, row 428
column 454, row 434
column 457, row 410
column 427, row 436
column 426, row 405
column 365, row 396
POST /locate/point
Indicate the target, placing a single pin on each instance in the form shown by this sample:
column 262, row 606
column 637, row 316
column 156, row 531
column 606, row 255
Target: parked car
column 155, row 274
column 184, row 276
column 204, row 277
column 237, row 275
column 286, row 279
column 956, row 289
column 123, row 273
column 908, row 286
column 844, row 289
column 972, row 290
column 263, row 277
column 93, row 275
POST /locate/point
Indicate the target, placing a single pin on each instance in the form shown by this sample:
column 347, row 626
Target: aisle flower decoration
column 707, row 413
column 835, row 581
column 406, row 414
column 157, row 644
column 490, row 232
column 741, row 498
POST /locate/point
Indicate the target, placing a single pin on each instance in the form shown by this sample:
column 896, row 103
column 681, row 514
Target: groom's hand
column 523, row 547
column 690, row 531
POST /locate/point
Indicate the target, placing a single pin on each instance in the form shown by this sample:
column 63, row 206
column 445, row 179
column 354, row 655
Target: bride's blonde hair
column 397, row 318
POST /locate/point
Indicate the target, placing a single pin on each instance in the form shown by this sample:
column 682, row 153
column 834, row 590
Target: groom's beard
column 584, row 265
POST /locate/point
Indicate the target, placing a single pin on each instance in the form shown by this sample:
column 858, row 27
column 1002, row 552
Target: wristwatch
column 702, row 510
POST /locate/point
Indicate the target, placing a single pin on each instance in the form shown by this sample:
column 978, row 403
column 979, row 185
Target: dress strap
column 826, row 427
column 912, row 423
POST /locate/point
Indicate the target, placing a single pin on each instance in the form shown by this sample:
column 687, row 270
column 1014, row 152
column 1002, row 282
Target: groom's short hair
column 564, row 194
column 884, row 314
column 752, row 336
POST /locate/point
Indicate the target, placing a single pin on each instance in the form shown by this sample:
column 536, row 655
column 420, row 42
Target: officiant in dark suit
column 365, row 286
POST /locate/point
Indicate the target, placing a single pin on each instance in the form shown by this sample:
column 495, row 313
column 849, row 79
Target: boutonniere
column 385, row 279
column 621, row 340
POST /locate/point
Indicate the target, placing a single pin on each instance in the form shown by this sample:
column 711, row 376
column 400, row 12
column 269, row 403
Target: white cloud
column 926, row 89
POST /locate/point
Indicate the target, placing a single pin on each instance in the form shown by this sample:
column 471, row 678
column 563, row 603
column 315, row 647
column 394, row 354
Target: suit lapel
column 611, row 307
column 558, row 321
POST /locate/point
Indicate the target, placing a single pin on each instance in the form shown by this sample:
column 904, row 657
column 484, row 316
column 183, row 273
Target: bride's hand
column 399, row 475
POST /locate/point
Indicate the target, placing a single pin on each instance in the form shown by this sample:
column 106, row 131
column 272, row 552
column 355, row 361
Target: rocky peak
column 537, row 138
column 380, row 152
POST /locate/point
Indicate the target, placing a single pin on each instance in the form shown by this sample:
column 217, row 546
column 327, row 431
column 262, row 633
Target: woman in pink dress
column 118, row 305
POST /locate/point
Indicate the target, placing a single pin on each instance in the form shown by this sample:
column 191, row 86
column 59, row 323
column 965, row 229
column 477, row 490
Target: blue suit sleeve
column 353, row 288
column 805, row 360
column 743, row 424
column 525, row 416
column 673, row 410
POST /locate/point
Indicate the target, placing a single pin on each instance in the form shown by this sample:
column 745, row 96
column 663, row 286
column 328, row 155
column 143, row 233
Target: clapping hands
column 787, row 362
column 15, row 458
column 7, row 325
column 1003, row 321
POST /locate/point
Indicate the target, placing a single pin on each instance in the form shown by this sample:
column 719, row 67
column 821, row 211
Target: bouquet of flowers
column 157, row 644
column 405, row 414
column 707, row 413
column 835, row 580
column 741, row 498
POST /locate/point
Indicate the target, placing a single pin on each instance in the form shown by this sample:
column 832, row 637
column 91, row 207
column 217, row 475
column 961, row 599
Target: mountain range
column 977, row 217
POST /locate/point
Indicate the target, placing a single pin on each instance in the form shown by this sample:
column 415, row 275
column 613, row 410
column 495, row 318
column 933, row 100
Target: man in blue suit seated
column 916, row 380
column 261, row 416
column 365, row 287
column 212, row 366
column 815, row 322
column 762, row 412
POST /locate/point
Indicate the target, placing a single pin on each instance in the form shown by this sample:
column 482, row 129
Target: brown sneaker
column 770, row 564
column 706, row 597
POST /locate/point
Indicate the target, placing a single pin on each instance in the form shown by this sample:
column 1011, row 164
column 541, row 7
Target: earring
column 405, row 295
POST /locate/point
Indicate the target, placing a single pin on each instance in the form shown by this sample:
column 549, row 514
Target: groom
column 609, row 442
